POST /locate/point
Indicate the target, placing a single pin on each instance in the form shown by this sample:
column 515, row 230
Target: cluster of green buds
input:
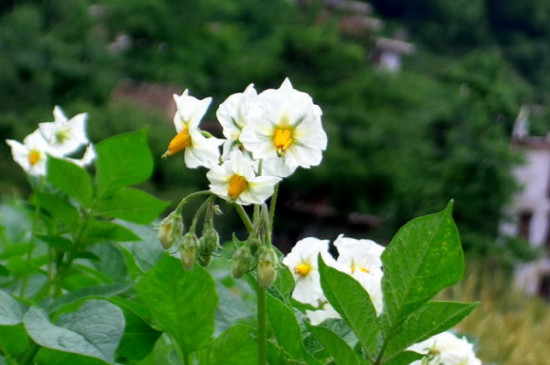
column 255, row 254
column 191, row 247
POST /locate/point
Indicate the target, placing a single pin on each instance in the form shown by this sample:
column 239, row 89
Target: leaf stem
column 272, row 205
column 190, row 196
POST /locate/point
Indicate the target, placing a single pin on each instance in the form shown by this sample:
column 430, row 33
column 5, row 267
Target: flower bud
column 170, row 229
column 254, row 243
column 267, row 266
column 210, row 241
column 204, row 260
column 241, row 261
column 188, row 250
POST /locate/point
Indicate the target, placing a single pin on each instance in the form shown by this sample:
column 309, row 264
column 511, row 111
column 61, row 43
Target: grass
column 510, row 328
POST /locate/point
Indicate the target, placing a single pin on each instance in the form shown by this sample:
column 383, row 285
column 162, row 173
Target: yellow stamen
column 61, row 136
column 181, row 141
column 360, row 268
column 34, row 157
column 282, row 139
column 303, row 269
column 237, row 184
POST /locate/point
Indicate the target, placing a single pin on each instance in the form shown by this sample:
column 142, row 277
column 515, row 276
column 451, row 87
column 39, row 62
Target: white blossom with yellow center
column 236, row 181
column 361, row 258
column 31, row 155
column 199, row 150
column 65, row 136
column 302, row 262
column 445, row 349
column 289, row 132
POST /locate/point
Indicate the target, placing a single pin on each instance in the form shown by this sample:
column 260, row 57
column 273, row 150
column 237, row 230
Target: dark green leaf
column 57, row 242
column 235, row 346
column 101, row 231
column 94, row 330
column 340, row 352
column 404, row 358
column 132, row 205
column 424, row 257
column 353, row 303
column 71, row 179
column 138, row 339
column 123, row 160
column 48, row 356
column 183, row 303
column 14, row 340
column 58, row 208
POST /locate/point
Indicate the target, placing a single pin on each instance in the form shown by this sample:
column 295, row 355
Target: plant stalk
column 262, row 326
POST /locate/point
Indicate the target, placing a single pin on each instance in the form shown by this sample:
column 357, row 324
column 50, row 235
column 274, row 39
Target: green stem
column 244, row 217
column 190, row 196
column 272, row 205
column 31, row 245
column 199, row 212
column 262, row 326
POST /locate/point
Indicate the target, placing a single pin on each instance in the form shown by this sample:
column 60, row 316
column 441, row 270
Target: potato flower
column 290, row 130
column 360, row 258
column 64, row 136
column 302, row 262
column 446, row 349
column 236, row 181
column 31, row 155
column 237, row 111
column 199, row 149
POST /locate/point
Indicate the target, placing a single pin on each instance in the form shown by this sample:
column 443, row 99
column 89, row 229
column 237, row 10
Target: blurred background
column 420, row 99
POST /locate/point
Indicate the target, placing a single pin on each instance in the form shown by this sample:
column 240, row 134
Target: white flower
column 290, row 129
column 445, row 349
column 31, row 155
column 63, row 135
column 319, row 316
column 235, row 113
column 199, row 150
column 236, row 181
column 88, row 157
column 302, row 262
column 362, row 260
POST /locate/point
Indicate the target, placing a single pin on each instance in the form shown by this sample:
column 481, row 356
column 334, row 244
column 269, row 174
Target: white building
column 529, row 213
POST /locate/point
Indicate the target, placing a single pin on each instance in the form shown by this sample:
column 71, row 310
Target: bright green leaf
column 183, row 303
column 138, row 339
column 11, row 311
column 430, row 319
column 123, row 160
column 353, row 303
column 339, row 350
column 424, row 257
column 14, row 340
column 285, row 327
column 48, row 356
column 57, row 242
column 132, row 205
column 71, row 179
column 94, row 330
column 404, row 358
column 235, row 346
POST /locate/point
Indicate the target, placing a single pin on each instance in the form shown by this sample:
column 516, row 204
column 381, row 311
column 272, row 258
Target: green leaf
column 284, row 283
column 103, row 290
column 235, row 346
column 138, row 339
column 53, row 357
column 146, row 251
column 353, row 303
column 57, row 242
column 234, row 309
column 14, row 340
column 285, row 327
column 430, row 319
column 58, row 208
column 131, row 205
column 101, row 231
column 183, row 303
column 11, row 311
column 71, row 179
column 123, row 160
column 94, row 330
column 339, row 350
column 404, row 358
column 424, row 257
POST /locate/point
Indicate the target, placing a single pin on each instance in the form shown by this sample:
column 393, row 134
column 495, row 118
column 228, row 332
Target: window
column 524, row 227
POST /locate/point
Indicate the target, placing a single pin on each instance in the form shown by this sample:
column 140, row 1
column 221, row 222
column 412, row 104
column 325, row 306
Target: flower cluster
column 61, row 138
column 360, row 258
column 445, row 349
column 267, row 137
